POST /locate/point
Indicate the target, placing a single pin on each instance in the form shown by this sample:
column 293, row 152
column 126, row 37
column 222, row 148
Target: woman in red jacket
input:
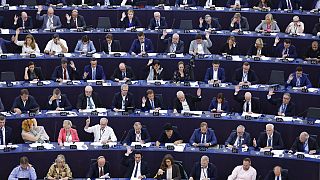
column 67, row 134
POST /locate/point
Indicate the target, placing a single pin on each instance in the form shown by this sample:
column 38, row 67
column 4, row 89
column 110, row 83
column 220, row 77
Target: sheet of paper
column 160, row 111
column 287, row 119
column 152, row 54
column 236, row 58
column 192, row 112
column 5, row 31
column 10, row 146
column 313, row 90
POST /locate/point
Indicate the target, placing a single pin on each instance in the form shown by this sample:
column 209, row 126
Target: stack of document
column 140, row 144
column 45, row 145
column 287, row 119
column 9, row 146
column 80, row 145
column 254, row 115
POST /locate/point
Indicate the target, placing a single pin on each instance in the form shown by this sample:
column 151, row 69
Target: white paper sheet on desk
column 152, row 54
column 277, row 152
column 140, row 29
column 301, row 34
column 73, row 81
column 121, row 53
column 313, row 89
column 177, row 148
column 254, row 86
column 96, row 55
column 33, row 31
column 73, row 143
column 44, row 82
column 106, row 84
column 92, row 81
column 287, row 119
column 10, row 146
column 193, row 31
column 264, row 58
column 245, row 9
column 296, row 88
column 180, row 55
column 219, row 8
column 67, row 54
column 100, row 144
column 273, row 34
column 192, row 112
column 194, row 84
column 166, row 8
column 236, row 58
column 5, row 114
column 153, row 81
column 254, row 115
column 168, row 30
column 57, row 112
column 14, row 83
column 312, row 156
column 5, row 31
column 8, row 54
column 317, row 121
column 223, row 114
column 45, row 145
column 12, row 7
column 160, row 111
column 138, row 143
column 193, row 8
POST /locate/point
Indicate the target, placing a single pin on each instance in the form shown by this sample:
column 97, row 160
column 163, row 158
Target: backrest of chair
column 277, row 77
column 8, row 76
column 104, row 22
column 183, row 172
column 313, row 112
column 160, row 97
column 186, row 24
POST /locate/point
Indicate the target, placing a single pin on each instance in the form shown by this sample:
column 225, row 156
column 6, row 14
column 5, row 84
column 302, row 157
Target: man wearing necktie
column 5, row 132
column 93, row 71
column 136, row 167
column 157, row 22
column 88, row 92
column 24, row 22
column 99, row 168
column 141, row 46
column 203, row 170
column 50, row 21
column 284, row 105
column 269, row 139
column 298, row 79
column 306, row 144
column 285, row 50
column 277, row 174
column 238, row 138
column 203, row 136
column 24, row 103
column 151, row 102
column 247, row 103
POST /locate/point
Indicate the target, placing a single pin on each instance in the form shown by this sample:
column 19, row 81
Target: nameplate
column 116, row 54
column 138, row 147
column 60, row 55
column 212, row 7
column 300, row 156
column 63, row 113
column 125, row 113
column 294, row 35
column 279, row 119
column 245, row 86
column 235, row 150
column 202, row 148
column 289, row 11
column 6, row 7
column 73, row 146
column 186, row 8
column 257, row 59
column 59, row 6
column 25, row 31
column 267, row 34
column 53, row 30
column 268, row 153
column 145, row 55
column 305, row 90
column 216, row 115
column 39, row 83
column 264, row 10
column 32, row 56
column 215, row 85
column 315, row 11
column 186, row 83
column 237, row 9
column 247, row 117
column 99, row 83
column 32, row 114
column 310, row 122
column 80, row 29
column 314, row 62
column 156, row 113
column 186, row 31
column 240, row 33
column 94, row 113
column 187, row 114
column 89, row 55
column 6, row 149
column 228, row 57
column 133, row 30
column 4, row 56
column 39, row 148
column 170, row 148
column 173, row 55
column 105, row 146
column 200, row 56
column 9, row 84
column 157, row 83
column 84, row 6
column 69, row 83
column 110, row 7
column 107, row 30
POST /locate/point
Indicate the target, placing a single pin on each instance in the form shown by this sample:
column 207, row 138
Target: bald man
column 186, row 102
column 203, row 170
column 247, row 103
column 306, row 144
column 24, row 21
column 122, row 100
column 157, row 22
column 172, row 44
column 137, row 134
column 277, row 174
column 88, row 99
column 102, row 132
column 269, row 139
column 238, row 138
column 49, row 20
column 124, row 72
column 99, row 168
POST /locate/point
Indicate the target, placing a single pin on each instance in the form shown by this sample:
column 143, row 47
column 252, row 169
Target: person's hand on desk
column 116, row 79
column 214, row 110
column 59, row 80
column 126, row 79
column 158, row 143
column 116, row 110
column 281, row 114
column 157, row 109
column 133, row 53
column 206, row 144
column 59, row 109
column 177, row 142
column 17, row 110
column 195, row 144
column 142, row 53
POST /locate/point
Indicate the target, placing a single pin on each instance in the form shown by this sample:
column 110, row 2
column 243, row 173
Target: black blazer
column 163, row 23
column 115, row 46
column 38, row 72
column 27, row 25
column 253, row 51
column 316, row 29
column 233, row 137
column 31, row 104
column 118, row 74
column 233, row 51
column 176, row 175
column 63, row 103
column 82, row 101
column 196, row 171
column 244, row 25
column 290, row 110
column 94, row 170
column 125, row 23
column 297, row 146
column 252, row 76
column 80, row 20
column 271, row 176
column 277, row 142
column 157, row 104
column 129, row 163
column 8, row 134
column 179, row 49
column 57, row 73
column 191, row 100
column 117, row 100
column 131, row 136
column 255, row 104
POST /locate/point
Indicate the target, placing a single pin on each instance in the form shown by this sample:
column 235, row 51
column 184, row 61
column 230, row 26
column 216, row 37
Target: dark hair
column 137, row 152
column 167, row 126
column 31, row 63
column 247, row 159
column 140, row 34
column 198, row 36
column 2, row 118
column 24, row 160
column 156, row 62
column 215, row 62
column 287, row 41
column 246, row 64
column 55, row 36
column 149, row 91
column 299, row 68
column 109, row 36
column 93, row 59
column 163, row 165
column 64, row 60
column 24, row 92
column 85, row 38
column 220, row 96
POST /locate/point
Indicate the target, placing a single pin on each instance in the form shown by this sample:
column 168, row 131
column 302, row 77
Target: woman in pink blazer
column 67, row 134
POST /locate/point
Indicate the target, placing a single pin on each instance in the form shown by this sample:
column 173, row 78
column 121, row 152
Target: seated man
column 185, row 2
column 313, row 52
column 269, row 139
column 137, row 134
column 157, row 22
column 172, row 44
column 93, row 71
column 244, row 171
column 285, row 107
column 99, row 168
column 285, row 50
column 141, row 45
column 102, row 132
column 58, row 101
column 306, row 144
column 154, row 70
column 247, row 103
column 209, row 23
column 55, row 2
column 245, row 76
column 277, row 173
column 56, row 46
column 65, row 71
column 49, row 20
column 132, row 160
column 289, row 4
column 298, row 79
column 6, row 135
column 238, row 138
column 122, row 100
column 169, row 135
column 316, row 29
column 110, row 45
column 88, row 99
column 24, row 103
column 24, row 170
column 237, row 4
column 124, row 72
column 203, row 136
column 296, row 26
column 203, row 170
column 150, row 102
column 239, row 23
column 215, row 74
column 186, row 102
column 24, row 21
column 75, row 20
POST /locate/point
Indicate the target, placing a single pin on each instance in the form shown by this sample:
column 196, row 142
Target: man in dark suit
column 24, row 22
column 160, row 2
column 299, row 79
column 99, row 168
column 215, row 74
column 247, row 102
column 239, row 23
column 24, row 103
column 170, row 134
column 289, row 4
column 285, row 50
column 137, row 134
column 93, row 71
column 284, row 105
column 124, row 72
column 58, row 101
column 185, row 2
column 186, row 102
column 233, row 4
column 55, row 2
column 75, row 20
column 238, row 138
column 203, row 136
column 141, row 45
column 151, row 102
column 277, row 174
column 245, row 76
column 172, row 44
column 157, row 22
column 136, row 167
column 204, row 170
column 65, row 71
column 88, row 99
column 5, row 132
column 306, row 144
column 49, row 20
column 209, row 23
column 3, row 45
column 122, row 100
column 269, row 139
column 206, row 3
column 316, row 30
column 111, row 45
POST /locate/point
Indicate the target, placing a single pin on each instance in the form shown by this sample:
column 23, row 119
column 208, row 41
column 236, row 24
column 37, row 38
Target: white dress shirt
column 244, row 76
column 3, row 135
column 28, row 49
column 134, row 169
column 49, row 23
column 51, row 46
column 204, row 173
column 138, row 137
column 185, row 106
column 317, row 5
column 239, row 173
column 200, row 49
column 123, row 103
column 209, row 3
column 142, row 46
column 219, row 107
column 215, row 75
column 1, row 52
column 102, row 134
column 92, row 103
column 169, row 173
column 245, row 106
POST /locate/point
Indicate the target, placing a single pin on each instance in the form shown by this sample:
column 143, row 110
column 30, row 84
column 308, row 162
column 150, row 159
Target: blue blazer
column 136, row 48
column 243, row 3
column 44, row 18
column 292, row 51
column 233, row 137
column 189, row 2
column 304, row 81
column 196, row 137
column 99, row 72
column 131, row 136
column 90, row 49
column 209, row 75
column 224, row 106
column 3, row 44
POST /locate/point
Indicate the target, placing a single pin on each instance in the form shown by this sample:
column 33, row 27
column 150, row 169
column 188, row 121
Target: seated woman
column 168, row 169
column 32, row 133
column 67, row 134
column 263, row 4
column 268, row 25
column 59, row 169
column 29, row 45
column 258, row 49
column 32, row 73
column 154, row 70
column 182, row 74
column 219, row 104
column 130, row 20
column 230, row 47
column 85, row 45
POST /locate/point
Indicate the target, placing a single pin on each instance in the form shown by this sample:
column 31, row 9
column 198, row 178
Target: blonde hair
column 33, row 41
column 27, row 123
